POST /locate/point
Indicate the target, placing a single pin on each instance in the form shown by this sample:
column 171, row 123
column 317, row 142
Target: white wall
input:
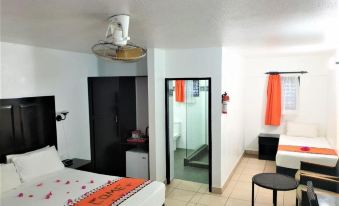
column 227, row 143
column 232, row 123
column 156, row 101
column 336, row 74
column 204, row 62
column 313, row 91
column 337, row 93
column 332, row 101
column 33, row 71
column 107, row 68
column 0, row 69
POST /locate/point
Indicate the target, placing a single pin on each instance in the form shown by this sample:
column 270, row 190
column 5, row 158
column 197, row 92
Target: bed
column 28, row 124
column 34, row 192
column 289, row 162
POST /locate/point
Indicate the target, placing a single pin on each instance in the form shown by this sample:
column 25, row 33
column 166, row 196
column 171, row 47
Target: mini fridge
column 137, row 163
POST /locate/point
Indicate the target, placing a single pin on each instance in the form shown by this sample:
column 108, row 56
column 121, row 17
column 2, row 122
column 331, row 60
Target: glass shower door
column 197, row 123
column 188, row 129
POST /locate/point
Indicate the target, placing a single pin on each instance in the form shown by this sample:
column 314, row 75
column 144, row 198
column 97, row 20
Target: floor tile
column 191, row 186
column 228, row 190
column 270, row 169
column 245, row 177
column 290, row 198
column 235, row 176
column 255, row 167
column 215, row 200
column 236, row 202
column 265, row 196
column 173, row 202
column 270, row 163
column 183, row 195
column 242, row 165
column 196, row 198
column 238, row 192
column 252, row 171
column 203, row 188
column 168, row 191
column 243, row 191
column 256, row 161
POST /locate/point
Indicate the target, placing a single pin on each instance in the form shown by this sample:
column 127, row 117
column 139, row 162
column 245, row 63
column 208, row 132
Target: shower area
column 188, row 129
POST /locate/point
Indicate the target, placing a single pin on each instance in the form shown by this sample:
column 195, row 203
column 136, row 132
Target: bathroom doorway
column 188, row 133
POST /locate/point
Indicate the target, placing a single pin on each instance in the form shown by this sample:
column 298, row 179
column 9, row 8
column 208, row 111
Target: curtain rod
column 297, row 72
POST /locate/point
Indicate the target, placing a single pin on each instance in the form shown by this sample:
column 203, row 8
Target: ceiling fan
column 116, row 47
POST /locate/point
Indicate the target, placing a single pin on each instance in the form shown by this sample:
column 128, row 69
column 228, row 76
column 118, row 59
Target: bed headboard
column 26, row 124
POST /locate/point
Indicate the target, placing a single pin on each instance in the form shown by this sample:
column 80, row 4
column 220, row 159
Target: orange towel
column 114, row 192
column 273, row 105
column 313, row 150
column 180, row 90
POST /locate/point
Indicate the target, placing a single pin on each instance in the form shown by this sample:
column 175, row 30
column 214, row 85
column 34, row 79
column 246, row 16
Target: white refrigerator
column 137, row 163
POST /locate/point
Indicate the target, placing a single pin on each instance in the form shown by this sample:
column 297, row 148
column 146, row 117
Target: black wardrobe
column 112, row 112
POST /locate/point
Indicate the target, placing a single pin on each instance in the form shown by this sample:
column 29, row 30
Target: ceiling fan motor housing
column 119, row 27
column 115, row 47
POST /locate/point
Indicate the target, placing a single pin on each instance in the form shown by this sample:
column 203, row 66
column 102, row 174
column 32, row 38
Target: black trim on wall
column 168, row 175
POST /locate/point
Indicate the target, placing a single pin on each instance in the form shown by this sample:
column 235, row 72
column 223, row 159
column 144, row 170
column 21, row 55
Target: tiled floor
column 237, row 193
column 182, row 172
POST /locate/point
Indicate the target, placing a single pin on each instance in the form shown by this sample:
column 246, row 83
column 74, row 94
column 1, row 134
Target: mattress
column 292, row 159
column 152, row 194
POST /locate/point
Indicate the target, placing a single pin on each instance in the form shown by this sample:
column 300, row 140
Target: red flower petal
column 20, row 194
column 77, row 181
column 69, row 201
column 109, row 181
column 57, row 180
column 30, row 196
column 92, row 181
column 39, row 185
column 83, row 187
column 67, row 182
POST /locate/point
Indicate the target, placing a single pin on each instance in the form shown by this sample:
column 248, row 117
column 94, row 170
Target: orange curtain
column 273, row 105
column 180, row 90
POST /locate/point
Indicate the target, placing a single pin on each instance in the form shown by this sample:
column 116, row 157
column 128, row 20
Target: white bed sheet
column 152, row 194
column 292, row 159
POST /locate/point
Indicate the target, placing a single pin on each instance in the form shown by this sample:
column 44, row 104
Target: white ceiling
column 77, row 24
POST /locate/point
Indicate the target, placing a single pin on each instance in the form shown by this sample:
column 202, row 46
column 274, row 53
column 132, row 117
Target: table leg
column 252, row 193
column 275, row 197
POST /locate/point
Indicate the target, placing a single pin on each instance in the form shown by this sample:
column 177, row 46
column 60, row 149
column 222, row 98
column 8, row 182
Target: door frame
column 168, row 170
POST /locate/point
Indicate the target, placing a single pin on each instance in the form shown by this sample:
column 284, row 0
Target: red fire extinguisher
column 224, row 99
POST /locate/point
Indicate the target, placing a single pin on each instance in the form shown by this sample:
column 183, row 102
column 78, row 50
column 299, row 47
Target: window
column 290, row 93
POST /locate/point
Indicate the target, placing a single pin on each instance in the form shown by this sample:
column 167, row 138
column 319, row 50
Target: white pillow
column 38, row 163
column 10, row 157
column 301, row 130
column 9, row 177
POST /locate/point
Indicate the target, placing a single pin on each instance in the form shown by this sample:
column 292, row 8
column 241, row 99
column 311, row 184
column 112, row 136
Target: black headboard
column 26, row 124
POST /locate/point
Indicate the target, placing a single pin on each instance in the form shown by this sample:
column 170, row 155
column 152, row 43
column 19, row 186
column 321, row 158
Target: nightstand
column 80, row 164
column 268, row 146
